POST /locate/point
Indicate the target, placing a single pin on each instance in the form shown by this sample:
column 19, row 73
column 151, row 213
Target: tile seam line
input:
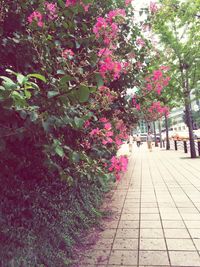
column 135, row 159
column 150, row 170
column 140, row 207
column 182, row 187
column 175, row 201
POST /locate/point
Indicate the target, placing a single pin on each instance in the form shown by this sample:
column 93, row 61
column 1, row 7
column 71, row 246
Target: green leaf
column 8, row 83
column 11, row 72
column 60, row 72
column 79, row 122
column 99, row 80
column 37, row 76
column 75, row 157
column 93, row 89
column 65, row 79
column 59, row 151
column 33, row 116
column 83, row 93
column 51, row 94
column 21, row 79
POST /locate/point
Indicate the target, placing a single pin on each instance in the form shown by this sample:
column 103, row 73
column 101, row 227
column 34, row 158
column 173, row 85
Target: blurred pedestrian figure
column 138, row 140
column 130, row 143
column 149, row 141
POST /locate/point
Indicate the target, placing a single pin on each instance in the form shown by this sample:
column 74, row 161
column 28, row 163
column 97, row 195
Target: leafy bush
column 63, row 116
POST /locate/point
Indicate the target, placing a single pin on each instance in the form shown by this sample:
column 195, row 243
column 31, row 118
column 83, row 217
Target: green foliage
column 51, row 184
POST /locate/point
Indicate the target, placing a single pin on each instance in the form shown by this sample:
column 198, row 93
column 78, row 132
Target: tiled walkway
column 158, row 214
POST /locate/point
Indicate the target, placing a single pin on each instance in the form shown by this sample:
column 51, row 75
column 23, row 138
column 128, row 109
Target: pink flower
column 149, row 87
column 51, row 8
column 107, row 126
column 153, row 7
column 67, row 54
column 117, row 13
column 36, row 16
column 71, row 3
column 95, row 132
column 140, row 42
column 109, row 133
column 103, row 119
column 128, row 2
column 87, row 124
column 157, row 74
column 105, row 52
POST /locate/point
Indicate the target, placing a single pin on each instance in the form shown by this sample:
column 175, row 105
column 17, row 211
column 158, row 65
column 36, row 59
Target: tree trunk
column 159, row 126
column 188, row 114
column 167, row 133
column 190, row 126
column 154, row 129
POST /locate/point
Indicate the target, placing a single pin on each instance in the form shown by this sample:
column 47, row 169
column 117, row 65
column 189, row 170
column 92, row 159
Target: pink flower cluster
column 104, row 134
column 75, row 2
column 153, row 7
column 51, row 10
column 37, row 17
column 67, row 54
column 107, row 28
column 135, row 103
column 128, row 2
column 108, row 95
column 121, row 132
column 157, row 110
column 110, row 68
column 118, row 165
column 158, row 80
column 140, row 42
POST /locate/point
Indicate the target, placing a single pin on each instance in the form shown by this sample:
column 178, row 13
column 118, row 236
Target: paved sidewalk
column 157, row 221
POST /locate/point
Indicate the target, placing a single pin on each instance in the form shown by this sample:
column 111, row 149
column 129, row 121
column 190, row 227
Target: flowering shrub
column 118, row 165
column 63, row 119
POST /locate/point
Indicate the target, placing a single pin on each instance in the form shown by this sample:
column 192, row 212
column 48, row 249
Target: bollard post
column 163, row 143
column 185, row 146
column 198, row 142
column 175, row 144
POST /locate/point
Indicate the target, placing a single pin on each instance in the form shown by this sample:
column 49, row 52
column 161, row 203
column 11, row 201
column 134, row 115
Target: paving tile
column 150, row 217
column 123, row 257
column 184, row 258
column 128, row 244
column 108, row 233
column 176, row 233
column 96, row 256
column 191, row 216
column 130, row 210
column 192, row 224
column 128, row 224
column 171, row 216
column 173, row 224
column 188, row 210
column 103, row 244
column 112, row 224
column 127, row 233
column 153, row 258
column 152, row 244
column 149, row 205
column 151, row 224
column 151, row 233
column 149, row 210
column 195, row 233
column 197, row 243
column 130, row 217
column 180, row 244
